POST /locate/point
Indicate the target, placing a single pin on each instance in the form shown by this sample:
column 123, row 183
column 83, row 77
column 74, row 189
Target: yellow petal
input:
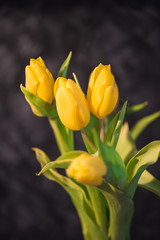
column 51, row 79
column 67, row 108
column 45, row 88
column 98, row 91
column 109, row 101
column 38, row 70
column 60, row 82
column 40, row 60
column 83, row 108
column 45, row 92
column 110, row 77
column 31, row 81
column 92, row 80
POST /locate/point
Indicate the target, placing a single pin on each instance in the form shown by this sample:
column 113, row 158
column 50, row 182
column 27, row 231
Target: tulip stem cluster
column 102, row 179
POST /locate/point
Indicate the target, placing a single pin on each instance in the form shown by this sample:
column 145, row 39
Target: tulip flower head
column 87, row 169
column 102, row 93
column 39, row 81
column 72, row 106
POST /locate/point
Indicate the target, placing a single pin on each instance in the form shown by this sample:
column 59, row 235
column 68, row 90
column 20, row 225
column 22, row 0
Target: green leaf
column 116, row 171
column 71, row 154
column 119, row 125
column 56, row 164
column 142, row 124
column 64, row 68
column 136, row 108
column 126, row 147
column 111, row 128
column 62, row 162
column 100, row 207
column 44, row 108
column 136, row 166
column 149, row 182
column 43, row 159
column 121, row 211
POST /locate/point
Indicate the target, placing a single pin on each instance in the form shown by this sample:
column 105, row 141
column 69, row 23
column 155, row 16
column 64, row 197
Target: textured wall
column 125, row 35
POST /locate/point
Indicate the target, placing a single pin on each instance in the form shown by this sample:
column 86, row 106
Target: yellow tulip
column 72, row 106
column 39, row 81
column 87, row 169
column 102, row 93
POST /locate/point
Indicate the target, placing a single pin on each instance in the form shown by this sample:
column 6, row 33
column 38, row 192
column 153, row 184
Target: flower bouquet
column 102, row 180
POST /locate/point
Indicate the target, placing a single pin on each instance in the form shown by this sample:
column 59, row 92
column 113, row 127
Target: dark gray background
column 125, row 34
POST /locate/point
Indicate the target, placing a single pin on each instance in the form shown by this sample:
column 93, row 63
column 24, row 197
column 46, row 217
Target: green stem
column 62, row 145
column 84, row 134
column 102, row 125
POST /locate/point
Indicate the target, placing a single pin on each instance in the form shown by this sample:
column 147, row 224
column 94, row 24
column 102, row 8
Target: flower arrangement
column 102, row 180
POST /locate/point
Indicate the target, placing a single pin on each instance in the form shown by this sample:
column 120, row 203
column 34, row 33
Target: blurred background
column 125, row 34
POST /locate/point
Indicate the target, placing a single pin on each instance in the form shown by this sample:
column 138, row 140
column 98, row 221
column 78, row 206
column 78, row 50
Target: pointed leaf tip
column 136, row 108
column 141, row 124
column 76, row 80
column 21, row 87
column 70, row 53
column 64, row 67
column 119, row 125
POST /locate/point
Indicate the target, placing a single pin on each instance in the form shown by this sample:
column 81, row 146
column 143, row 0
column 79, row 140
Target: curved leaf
column 62, row 162
column 126, row 147
column 44, row 108
column 64, row 67
column 100, row 207
column 71, row 154
column 146, row 156
column 136, row 166
column 142, row 124
column 110, row 127
column 136, row 108
column 118, row 127
column 116, row 170
column 149, row 182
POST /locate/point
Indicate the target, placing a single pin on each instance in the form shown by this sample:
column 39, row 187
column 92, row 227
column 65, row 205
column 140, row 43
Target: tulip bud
column 39, row 81
column 72, row 106
column 102, row 94
column 87, row 169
